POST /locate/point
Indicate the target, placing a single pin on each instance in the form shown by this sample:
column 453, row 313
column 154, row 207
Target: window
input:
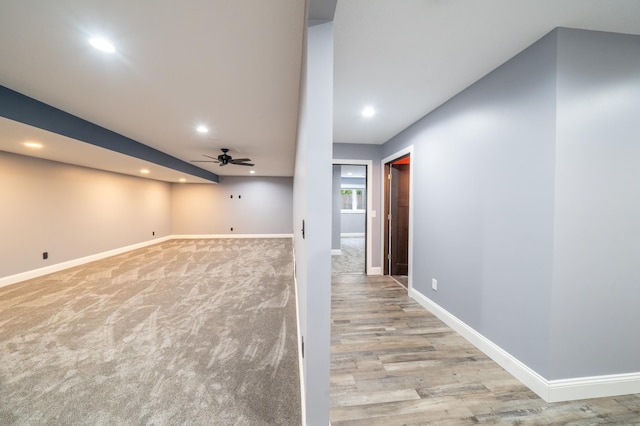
column 353, row 200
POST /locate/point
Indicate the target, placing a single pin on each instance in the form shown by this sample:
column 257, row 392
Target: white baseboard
column 35, row 273
column 352, row 234
column 213, row 236
column 336, row 252
column 374, row 270
column 303, row 406
column 548, row 390
column 593, row 387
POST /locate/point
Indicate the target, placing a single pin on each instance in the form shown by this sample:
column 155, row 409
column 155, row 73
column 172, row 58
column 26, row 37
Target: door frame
column 369, row 217
column 390, row 158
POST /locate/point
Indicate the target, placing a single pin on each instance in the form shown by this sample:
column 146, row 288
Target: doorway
column 351, row 223
column 397, row 189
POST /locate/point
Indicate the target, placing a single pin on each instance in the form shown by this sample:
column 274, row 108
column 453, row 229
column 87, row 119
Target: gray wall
column 525, row 208
column 352, row 223
column 596, row 272
column 72, row 212
column 343, row 151
column 483, row 169
column 312, row 203
column 260, row 205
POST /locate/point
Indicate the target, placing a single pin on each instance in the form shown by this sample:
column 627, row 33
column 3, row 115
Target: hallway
column 394, row 363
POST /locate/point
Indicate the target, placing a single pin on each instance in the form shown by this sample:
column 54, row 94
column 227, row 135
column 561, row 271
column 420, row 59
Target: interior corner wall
column 73, row 212
column 483, row 186
column 335, row 208
column 312, row 206
column 249, row 205
column 347, row 151
column 596, row 272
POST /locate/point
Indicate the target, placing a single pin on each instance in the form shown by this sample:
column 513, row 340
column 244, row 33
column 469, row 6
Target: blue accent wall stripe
column 21, row 108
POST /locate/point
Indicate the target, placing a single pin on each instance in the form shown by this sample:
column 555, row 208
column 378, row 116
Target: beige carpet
column 183, row 332
column 351, row 260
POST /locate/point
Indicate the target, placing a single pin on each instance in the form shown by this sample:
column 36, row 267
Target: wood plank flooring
column 394, row 363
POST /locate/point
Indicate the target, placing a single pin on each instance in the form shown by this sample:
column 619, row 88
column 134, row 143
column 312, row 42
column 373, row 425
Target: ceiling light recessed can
column 183, row 180
column 368, row 111
column 144, row 171
column 102, row 44
column 33, row 144
column 202, row 129
column 253, row 172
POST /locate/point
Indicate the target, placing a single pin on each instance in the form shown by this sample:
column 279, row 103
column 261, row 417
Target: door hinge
column 389, row 176
column 389, row 216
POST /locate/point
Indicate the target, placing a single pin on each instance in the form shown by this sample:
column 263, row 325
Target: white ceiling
column 407, row 57
column 232, row 65
column 235, row 66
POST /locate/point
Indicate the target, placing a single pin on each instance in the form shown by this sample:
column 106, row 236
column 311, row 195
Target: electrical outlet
column 434, row 284
column 232, row 228
column 45, row 255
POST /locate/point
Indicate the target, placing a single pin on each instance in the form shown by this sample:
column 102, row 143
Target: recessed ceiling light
column 102, row 44
column 144, row 171
column 368, row 112
column 183, row 180
column 253, row 172
column 202, row 129
column 349, row 174
column 33, row 145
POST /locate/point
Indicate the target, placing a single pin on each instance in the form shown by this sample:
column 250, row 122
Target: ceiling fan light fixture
column 224, row 159
column 102, row 44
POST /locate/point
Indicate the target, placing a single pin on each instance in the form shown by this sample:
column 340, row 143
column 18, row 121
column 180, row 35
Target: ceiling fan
column 225, row 159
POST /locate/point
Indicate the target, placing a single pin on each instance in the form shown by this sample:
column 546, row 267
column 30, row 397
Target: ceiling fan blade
column 242, row 164
column 204, row 161
column 241, row 160
column 208, row 156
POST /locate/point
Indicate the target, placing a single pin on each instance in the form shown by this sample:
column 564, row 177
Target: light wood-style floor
column 394, row 363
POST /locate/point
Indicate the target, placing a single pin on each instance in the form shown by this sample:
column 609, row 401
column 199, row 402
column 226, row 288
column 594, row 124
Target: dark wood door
column 399, row 209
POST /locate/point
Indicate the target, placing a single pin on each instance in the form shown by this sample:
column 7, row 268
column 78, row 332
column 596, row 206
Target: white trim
column 35, row 273
column 548, row 390
column 376, row 270
column 405, row 151
column 353, row 234
column 594, row 387
column 369, row 164
column 336, row 252
column 303, row 406
column 212, row 236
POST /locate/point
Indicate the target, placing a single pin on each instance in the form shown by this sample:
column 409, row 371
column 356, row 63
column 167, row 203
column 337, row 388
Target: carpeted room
column 184, row 331
column 175, row 330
